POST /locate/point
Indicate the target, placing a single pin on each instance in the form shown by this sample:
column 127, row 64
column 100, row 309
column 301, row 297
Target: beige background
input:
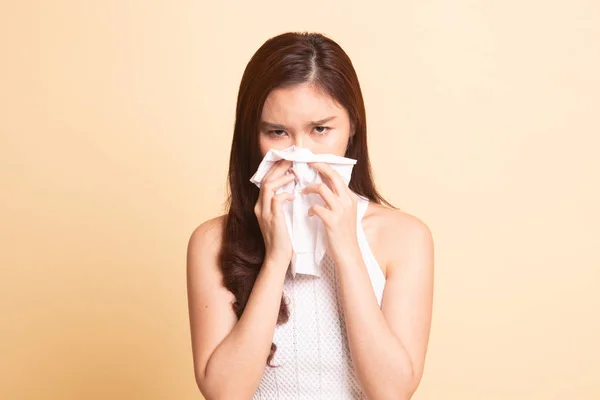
column 116, row 119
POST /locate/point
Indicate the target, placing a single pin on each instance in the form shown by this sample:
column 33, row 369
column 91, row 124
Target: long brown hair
column 285, row 60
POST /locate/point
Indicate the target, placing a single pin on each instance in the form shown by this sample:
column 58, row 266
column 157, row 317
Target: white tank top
column 313, row 356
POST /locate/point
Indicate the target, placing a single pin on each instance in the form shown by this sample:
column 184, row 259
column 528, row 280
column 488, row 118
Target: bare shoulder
column 394, row 223
column 203, row 250
column 207, row 236
column 398, row 236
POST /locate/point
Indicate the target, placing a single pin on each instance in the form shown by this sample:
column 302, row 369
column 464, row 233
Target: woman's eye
column 277, row 132
column 321, row 129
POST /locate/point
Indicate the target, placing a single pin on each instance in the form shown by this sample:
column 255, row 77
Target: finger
column 278, row 169
column 268, row 189
column 277, row 202
column 320, row 212
column 273, row 184
column 332, row 177
column 325, row 192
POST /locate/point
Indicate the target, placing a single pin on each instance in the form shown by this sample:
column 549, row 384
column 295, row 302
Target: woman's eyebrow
column 321, row 121
column 271, row 125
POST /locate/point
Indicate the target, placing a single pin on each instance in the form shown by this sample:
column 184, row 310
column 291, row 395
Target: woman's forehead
column 300, row 103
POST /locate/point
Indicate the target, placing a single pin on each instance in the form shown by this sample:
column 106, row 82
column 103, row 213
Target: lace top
column 313, row 358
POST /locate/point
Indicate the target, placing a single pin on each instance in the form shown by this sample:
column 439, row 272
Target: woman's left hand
column 339, row 215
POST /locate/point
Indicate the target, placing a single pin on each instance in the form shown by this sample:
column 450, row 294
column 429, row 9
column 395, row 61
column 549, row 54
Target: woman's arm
column 389, row 355
column 229, row 355
column 387, row 345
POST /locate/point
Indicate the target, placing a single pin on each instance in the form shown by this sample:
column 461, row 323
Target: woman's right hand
column 269, row 212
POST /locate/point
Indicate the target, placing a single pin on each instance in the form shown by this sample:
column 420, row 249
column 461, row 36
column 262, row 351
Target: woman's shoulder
column 395, row 234
column 202, row 265
column 206, row 238
column 396, row 220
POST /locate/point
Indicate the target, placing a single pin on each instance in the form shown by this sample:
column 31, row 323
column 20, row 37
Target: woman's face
column 303, row 116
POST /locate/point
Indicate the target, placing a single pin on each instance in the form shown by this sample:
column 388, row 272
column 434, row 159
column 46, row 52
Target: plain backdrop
column 116, row 121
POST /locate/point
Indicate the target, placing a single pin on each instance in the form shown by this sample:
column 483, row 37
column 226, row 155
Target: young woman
column 361, row 329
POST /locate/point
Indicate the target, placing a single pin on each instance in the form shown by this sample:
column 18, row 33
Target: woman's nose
column 298, row 141
column 304, row 142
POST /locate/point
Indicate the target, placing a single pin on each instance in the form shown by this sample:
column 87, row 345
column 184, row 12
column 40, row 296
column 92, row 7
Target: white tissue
column 307, row 234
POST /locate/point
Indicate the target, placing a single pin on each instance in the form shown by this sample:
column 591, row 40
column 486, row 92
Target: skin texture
column 389, row 356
